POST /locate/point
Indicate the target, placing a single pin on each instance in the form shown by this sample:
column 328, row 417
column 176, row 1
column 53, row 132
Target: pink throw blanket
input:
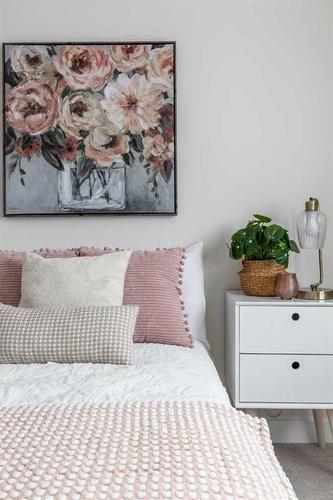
column 163, row 450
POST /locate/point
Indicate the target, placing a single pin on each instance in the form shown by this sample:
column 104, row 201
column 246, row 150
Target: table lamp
column 311, row 230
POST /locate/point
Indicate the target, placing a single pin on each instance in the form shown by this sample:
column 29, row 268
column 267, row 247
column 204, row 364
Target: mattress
column 159, row 373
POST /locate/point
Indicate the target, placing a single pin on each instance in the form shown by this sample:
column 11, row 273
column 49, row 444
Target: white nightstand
column 279, row 354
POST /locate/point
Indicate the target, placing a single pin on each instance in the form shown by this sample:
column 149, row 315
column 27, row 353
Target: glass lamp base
column 320, row 294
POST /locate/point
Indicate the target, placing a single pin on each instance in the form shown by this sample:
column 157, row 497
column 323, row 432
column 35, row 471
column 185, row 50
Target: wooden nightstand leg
column 318, row 417
column 330, row 420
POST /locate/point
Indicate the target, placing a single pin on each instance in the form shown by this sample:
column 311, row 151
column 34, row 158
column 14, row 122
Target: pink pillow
column 11, row 271
column 154, row 282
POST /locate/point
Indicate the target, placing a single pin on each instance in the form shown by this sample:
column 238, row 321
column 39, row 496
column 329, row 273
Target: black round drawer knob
column 295, row 365
column 295, row 316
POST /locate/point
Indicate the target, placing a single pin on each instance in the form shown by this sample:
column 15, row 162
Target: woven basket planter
column 258, row 277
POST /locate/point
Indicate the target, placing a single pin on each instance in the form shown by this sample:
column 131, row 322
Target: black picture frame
column 93, row 212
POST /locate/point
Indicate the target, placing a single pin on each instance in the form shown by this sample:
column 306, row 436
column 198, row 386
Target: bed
column 154, row 421
column 130, row 432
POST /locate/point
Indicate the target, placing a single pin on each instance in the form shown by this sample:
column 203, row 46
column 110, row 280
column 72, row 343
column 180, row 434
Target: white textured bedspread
column 159, row 373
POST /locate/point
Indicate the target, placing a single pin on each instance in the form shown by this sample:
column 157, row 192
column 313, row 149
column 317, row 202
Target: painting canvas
column 89, row 128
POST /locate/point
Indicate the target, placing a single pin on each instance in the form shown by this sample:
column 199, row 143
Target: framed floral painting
column 89, row 128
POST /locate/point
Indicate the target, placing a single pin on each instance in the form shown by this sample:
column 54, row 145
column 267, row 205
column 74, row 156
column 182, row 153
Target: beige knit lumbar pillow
column 97, row 334
column 73, row 282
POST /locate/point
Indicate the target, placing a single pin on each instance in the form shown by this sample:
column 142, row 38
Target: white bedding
column 159, row 372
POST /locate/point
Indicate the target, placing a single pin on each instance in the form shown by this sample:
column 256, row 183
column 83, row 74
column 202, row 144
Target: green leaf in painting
column 10, row 76
column 167, row 170
column 55, row 138
column 26, row 141
column 137, row 143
column 12, row 164
column 126, row 159
column 10, row 137
column 84, row 166
column 51, row 156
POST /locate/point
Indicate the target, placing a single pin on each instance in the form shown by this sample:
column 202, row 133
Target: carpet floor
column 309, row 468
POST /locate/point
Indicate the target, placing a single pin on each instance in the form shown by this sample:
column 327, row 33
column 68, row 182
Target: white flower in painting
column 80, row 111
column 32, row 62
column 132, row 104
column 105, row 144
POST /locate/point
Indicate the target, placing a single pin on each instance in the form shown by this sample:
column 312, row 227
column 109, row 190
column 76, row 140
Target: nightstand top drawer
column 287, row 329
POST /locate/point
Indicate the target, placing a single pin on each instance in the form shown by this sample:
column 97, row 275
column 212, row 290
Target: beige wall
column 254, row 121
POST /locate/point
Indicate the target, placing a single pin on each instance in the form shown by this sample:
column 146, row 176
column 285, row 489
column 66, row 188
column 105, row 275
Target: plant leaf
column 274, row 232
column 262, row 218
column 236, row 250
column 282, row 259
column 293, row 246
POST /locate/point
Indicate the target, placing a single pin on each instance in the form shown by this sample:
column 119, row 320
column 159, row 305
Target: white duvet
column 160, row 372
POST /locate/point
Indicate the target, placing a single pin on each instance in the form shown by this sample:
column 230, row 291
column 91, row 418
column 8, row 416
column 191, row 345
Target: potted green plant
column 264, row 250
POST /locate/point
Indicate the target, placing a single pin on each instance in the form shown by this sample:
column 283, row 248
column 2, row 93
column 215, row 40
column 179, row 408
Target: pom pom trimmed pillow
column 154, row 281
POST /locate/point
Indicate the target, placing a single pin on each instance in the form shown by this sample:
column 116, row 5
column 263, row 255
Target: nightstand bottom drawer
column 286, row 378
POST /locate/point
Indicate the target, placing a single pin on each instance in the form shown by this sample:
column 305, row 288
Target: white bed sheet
column 159, row 372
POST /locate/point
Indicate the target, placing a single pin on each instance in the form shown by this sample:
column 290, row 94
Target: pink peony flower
column 132, row 104
column 33, row 62
column 32, row 149
column 158, row 152
column 161, row 67
column 84, row 66
column 105, row 144
column 69, row 151
column 129, row 57
column 32, row 108
column 80, row 111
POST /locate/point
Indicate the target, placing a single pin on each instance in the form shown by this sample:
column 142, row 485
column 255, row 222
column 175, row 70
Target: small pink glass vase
column 286, row 286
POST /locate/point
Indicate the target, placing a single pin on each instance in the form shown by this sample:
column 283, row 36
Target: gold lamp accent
column 311, row 230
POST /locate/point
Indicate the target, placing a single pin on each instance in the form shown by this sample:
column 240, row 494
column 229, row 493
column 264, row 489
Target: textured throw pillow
column 154, row 282
column 102, row 334
column 73, row 282
column 11, row 271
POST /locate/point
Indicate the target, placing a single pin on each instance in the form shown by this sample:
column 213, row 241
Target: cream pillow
column 73, row 282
